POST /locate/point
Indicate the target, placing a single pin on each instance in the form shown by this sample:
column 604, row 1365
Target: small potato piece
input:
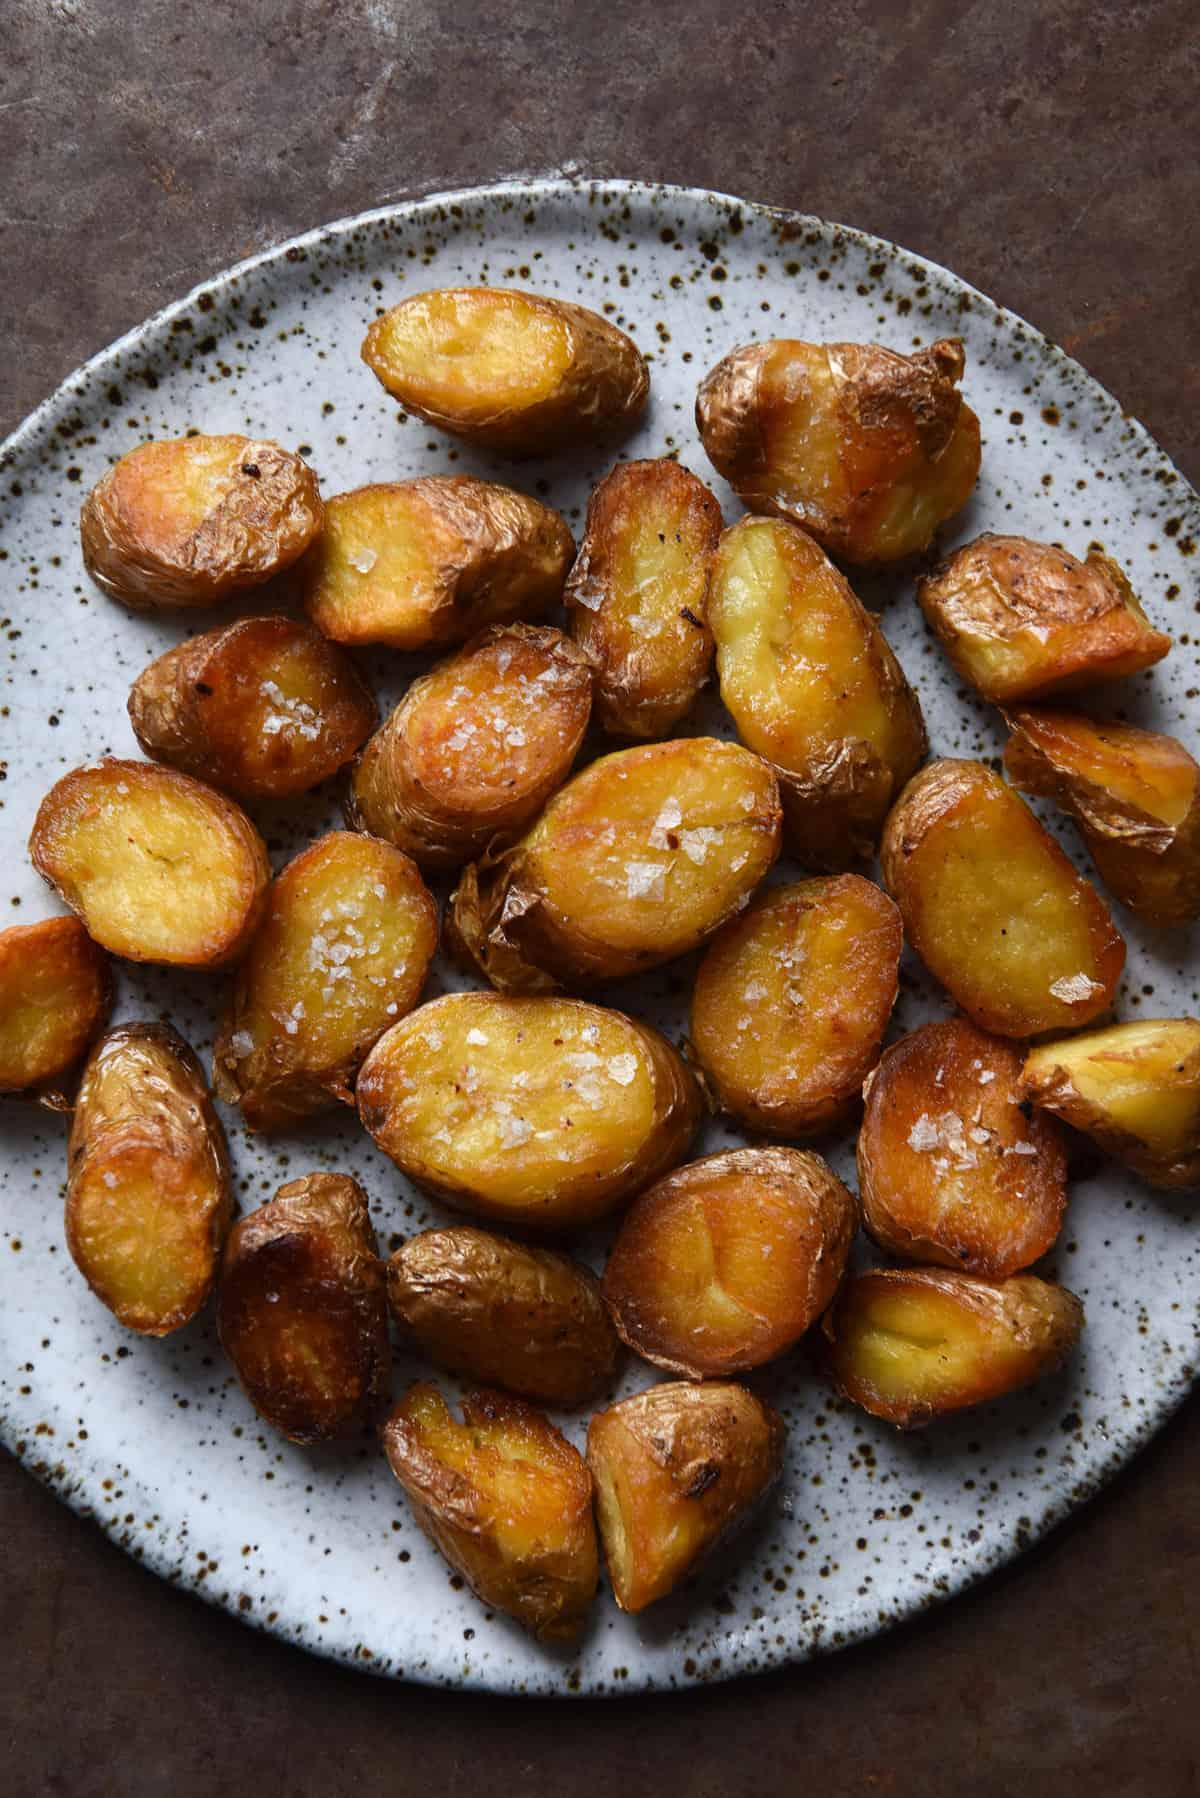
column 994, row 908
column 869, row 450
column 159, row 866
column 911, row 1344
column 1134, row 1088
column 343, row 951
column 638, row 859
column 55, row 994
column 950, row 1169
column 194, row 520
column 726, row 1263
column 511, row 371
column 637, row 595
column 545, row 1113
column 149, row 1199
column 814, row 688
column 678, row 1470
column 476, row 747
column 1023, row 620
column 302, row 1312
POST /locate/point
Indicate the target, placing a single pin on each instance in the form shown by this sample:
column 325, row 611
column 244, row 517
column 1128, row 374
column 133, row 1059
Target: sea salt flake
column 476, row 1036
column 364, row 561
column 241, row 1042
column 669, row 818
column 1073, row 988
column 644, row 880
column 623, row 1069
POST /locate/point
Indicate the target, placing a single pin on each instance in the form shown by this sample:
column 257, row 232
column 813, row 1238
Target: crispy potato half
column 517, row 372
column 814, row 688
column 302, row 1312
column 637, row 596
column 191, row 521
column 149, row 1199
column 343, row 951
column 725, row 1263
column 639, row 858
column 543, row 1113
column 869, row 450
column 994, row 908
column 55, row 995
column 1023, row 620
column 476, row 747
column 159, row 866
column 1135, row 796
column 911, row 1344
column 1134, row 1088
column 678, row 1470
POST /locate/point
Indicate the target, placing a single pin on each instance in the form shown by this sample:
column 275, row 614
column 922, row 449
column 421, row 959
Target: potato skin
column 55, row 996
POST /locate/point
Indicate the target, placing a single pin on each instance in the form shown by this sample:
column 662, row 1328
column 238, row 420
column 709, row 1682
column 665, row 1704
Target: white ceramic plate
column 154, row 1439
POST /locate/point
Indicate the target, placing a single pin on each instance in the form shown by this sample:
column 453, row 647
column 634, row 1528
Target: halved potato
column 55, row 994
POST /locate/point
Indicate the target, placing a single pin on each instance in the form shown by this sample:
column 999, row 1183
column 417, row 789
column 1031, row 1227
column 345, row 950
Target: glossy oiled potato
column 994, row 908
column 512, row 371
column 813, row 687
column 869, row 450
column 55, row 994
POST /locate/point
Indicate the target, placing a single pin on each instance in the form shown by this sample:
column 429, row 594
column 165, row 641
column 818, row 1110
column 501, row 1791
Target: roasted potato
column 343, row 952
column 869, row 450
column 55, row 994
column 678, row 1469
column 193, row 520
column 1134, row 1088
column 792, row 1000
column 911, row 1344
column 994, row 908
column 638, row 859
column 814, row 688
column 149, row 1199
column 158, row 865
column 1023, row 620
column 546, row 1113
column 476, row 747
column 637, row 595
column 511, row 371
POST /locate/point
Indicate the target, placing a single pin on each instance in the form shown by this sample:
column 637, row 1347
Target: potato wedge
column 517, row 372
column 149, row 1199
column 159, row 866
column 55, row 995
column 545, row 1113
column 678, row 1470
column 994, row 908
column 869, row 450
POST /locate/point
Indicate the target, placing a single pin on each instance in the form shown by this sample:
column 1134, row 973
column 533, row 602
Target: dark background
column 1043, row 149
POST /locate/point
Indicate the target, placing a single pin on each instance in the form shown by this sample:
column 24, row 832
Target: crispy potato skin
column 511, row 371
column 302, row 1311
column 678, row 1470
column 149, row 1197
column 475, row 748
column 994, row 908
column 194, row 520
column 55, row 995
column 868, row 450
column 529, row 1320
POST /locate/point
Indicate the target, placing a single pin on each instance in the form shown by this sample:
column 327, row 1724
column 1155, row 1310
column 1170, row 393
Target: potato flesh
column 466, row 354
column 55, row 992
column 1135, row 1087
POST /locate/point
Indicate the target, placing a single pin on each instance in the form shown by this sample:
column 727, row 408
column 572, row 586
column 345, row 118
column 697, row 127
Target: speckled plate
column 154, row 1439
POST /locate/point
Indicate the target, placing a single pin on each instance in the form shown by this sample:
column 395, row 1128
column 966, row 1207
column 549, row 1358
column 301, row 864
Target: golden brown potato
column 529, row 1320
column 517, row 372
column 194, row 520
column 343, row 951
column 476, row 747
column 869, row 450
column 546, row 1113
column 911, row 1344
column 994, row 908
column 792, row 1000
column 1135, row 796
column 1023, row 620
column 638, row 859
column 1134, row 1088
column 814, row 688
column 638, row 593
column 158, row 865
column 55, row 994
column 950, row 1168
column 148, row 1196
column 726, row 1263
column 302, row 1312
column 678, row 1470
